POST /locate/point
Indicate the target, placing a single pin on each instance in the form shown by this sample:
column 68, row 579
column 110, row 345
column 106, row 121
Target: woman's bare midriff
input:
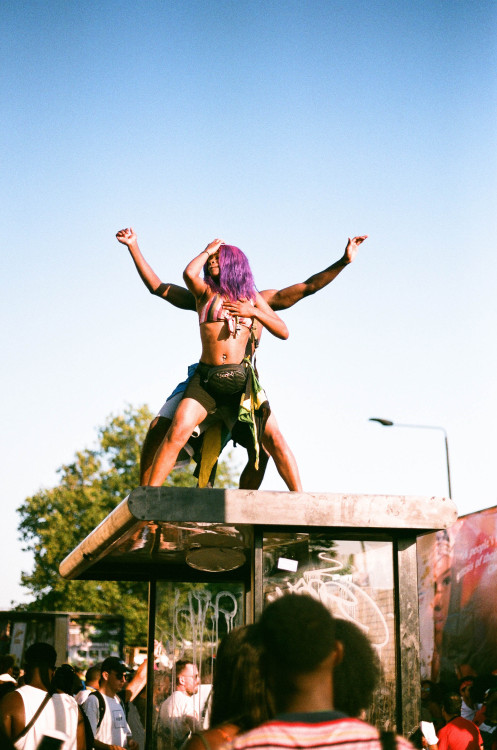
column 219, row 347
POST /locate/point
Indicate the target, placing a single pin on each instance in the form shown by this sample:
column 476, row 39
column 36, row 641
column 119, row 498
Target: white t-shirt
column 173, row 716
column 6, row 677
column 114, row 727
column 467, row 712
column 59, row 718
column 83, row 695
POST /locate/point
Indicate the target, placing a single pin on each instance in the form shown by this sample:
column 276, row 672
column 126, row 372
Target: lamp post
column 389, row 423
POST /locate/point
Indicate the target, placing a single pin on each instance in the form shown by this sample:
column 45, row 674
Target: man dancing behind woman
column 228, row 306
column 274, row 443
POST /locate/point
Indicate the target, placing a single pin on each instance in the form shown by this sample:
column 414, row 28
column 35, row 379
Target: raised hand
column 352, row 248
column 126, row 236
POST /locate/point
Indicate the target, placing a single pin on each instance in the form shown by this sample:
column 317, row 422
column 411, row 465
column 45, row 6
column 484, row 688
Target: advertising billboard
column 457, row 577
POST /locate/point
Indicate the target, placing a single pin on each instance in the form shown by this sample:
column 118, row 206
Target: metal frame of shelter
column 181, row 534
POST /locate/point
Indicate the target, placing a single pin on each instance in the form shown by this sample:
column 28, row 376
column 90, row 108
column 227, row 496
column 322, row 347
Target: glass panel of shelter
column 190, row 620
column 353, row 577
column 355, row 580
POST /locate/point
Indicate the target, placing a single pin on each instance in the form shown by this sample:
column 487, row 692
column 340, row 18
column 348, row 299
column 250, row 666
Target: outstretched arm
column 137, row 682
column 261, row 312
column 284, row 298
column 176, row 295
column 269, row 319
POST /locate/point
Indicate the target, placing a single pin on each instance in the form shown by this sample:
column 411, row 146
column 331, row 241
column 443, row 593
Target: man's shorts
column 172, row 401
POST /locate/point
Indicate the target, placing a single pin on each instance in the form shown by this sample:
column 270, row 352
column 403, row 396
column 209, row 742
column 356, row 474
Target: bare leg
column 277, row 447
column 251, row 478
column 153, row 439
column 274, row 445
column 188, row 415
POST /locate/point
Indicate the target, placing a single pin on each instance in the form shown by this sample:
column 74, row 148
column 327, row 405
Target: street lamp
column 389, row 423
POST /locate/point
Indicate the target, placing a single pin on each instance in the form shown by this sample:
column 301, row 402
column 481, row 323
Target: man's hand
column 132, row 744
column 352, row 248
column 126, row 236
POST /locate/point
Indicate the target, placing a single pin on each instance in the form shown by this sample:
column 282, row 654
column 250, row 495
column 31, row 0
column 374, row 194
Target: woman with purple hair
column 224, row 384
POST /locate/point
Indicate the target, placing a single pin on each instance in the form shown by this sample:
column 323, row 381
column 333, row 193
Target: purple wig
column 235, row 277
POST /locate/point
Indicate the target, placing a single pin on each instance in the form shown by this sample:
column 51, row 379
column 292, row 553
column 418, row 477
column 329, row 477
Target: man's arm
column 285, row 298
column 176, row 295
column 137, row 682
column 80, row 732
column 12, row 716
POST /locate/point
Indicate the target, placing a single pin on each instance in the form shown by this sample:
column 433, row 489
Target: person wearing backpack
column 105, row 711
column 92, row 682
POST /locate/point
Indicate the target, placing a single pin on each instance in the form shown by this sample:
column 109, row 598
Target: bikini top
column 214, row 312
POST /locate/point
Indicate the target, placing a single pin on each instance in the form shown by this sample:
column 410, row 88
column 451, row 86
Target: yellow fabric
column 211, row 448
column 252, row 400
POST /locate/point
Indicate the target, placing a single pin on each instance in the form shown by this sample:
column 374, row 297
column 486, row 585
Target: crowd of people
column 298, row 678
column 463, row 715
column 52, row 708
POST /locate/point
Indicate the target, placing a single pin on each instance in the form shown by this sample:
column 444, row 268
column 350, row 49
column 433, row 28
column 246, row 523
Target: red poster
column 457, row 573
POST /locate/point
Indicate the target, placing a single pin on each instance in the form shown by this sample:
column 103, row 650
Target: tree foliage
column 54, row 521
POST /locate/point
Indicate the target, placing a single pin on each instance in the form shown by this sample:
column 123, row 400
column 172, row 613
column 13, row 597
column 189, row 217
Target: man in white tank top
column 59, row 717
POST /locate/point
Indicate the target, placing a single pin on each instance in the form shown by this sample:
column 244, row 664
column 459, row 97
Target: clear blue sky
column 283, row 127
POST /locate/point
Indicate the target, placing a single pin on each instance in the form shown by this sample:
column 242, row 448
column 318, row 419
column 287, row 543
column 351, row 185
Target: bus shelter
column 214, row 558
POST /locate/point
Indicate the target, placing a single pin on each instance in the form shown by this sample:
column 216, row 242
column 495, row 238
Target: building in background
column 80, row 638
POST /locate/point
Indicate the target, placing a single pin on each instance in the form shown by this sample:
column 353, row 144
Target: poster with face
column 457, row 577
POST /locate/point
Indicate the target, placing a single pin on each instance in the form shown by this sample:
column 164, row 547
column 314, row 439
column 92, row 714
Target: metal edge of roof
column 255, row 507
column 98, row 541
column 183, row 504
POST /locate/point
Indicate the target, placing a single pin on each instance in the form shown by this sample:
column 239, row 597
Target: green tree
column 55, row 521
